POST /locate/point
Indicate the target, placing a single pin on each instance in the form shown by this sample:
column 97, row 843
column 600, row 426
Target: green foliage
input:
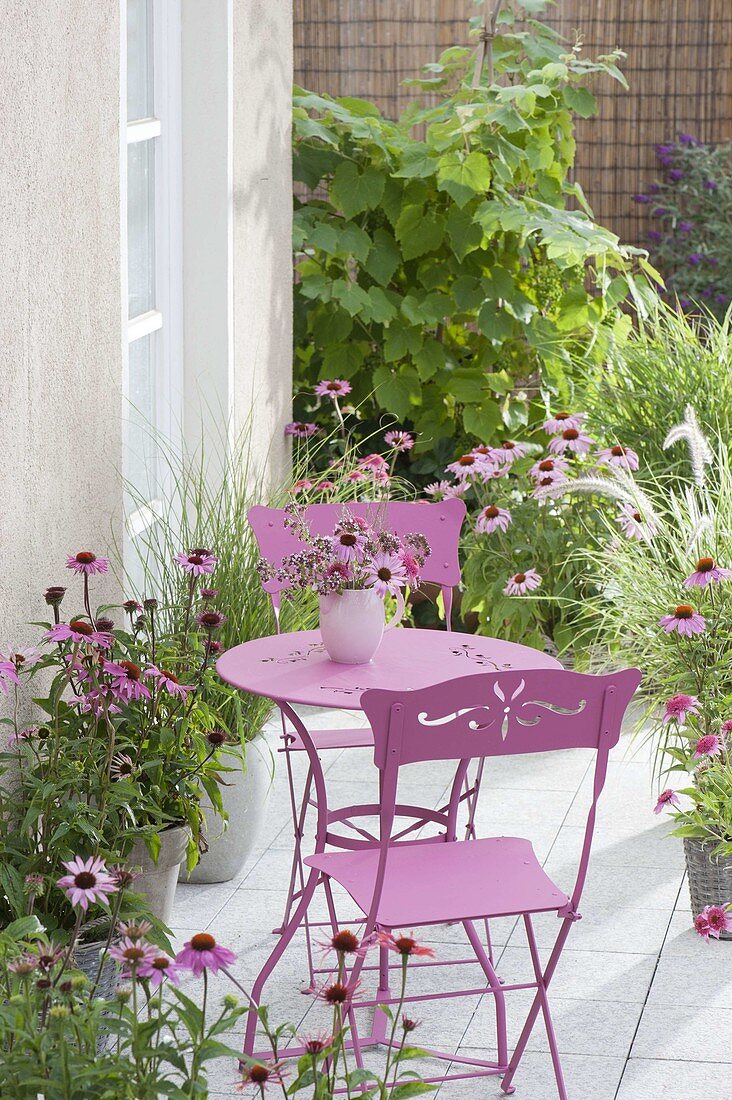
column 650, row 375
column 690, row 237
column 446, row 266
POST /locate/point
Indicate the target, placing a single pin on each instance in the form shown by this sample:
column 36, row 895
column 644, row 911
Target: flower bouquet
column 352, row 571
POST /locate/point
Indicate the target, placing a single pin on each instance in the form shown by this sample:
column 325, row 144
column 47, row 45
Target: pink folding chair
column 440, row 523
column 439, row 880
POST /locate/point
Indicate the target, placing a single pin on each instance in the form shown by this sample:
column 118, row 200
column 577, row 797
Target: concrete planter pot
column 158, row 880
column 245, row 800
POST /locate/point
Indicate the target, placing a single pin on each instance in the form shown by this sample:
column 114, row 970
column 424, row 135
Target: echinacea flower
column 337, row 387
column 685, row 620
column 678, row 707
column 23, row 965
column 437, row 489
column 405, row 946
column 131, row 953
column 26, row 734
column 348, row 545
column 132, row 607
column 87, row 881
column 134, row 930
column 554, row 468
column 78, row 630
column 216, row 738
column 355, row 476
column 560, row 421
column 126, row 680
column 622, row 457
column 707, row 572
column 571, row 439
column 464, row 466
column 261, row 1074
column 337, row 993
column 632, row 523
column 122, row 766
column 386, row 574
column 210, row 620
column 169, row 681
column 508, row 451
column 87, row 563
column 399, row 441
column 54, row 595
column 122, row 877
column 456, row 490
column 374, row 462
column 408, row 1024
column 156, row 967
column 345, row 942
column 666, row 798
column 299, row 430
column 708, row 745
column 727, row 727
column 8, row 675
column 301, row 486
column 521, row 583
column 492, row 519
column 201, row 952
column 99, row 701
column 23, row 656
column 713, row 921
column 197, row 562
column 316, row 1044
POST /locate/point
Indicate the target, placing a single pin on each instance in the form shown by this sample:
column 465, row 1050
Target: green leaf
column 384, row 258
column 466, row 385
column 323, row 236
column 580, row 100
column 353, row 241
column 351, row 296
column 463, row 177
column 468, row 293
column 465, row 234
column 382, row 308
column 353, row 191
column 429, row 359
column 419, row 231
column 310, row 163
column 343, row 360
column 416, row 162
column 331, row 326
column 397, row 390
column 481, row 421
column 400, row 341
column 495, row 323
column 411, row 1088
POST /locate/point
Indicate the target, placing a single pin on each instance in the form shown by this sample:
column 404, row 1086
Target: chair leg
column 540, row 1004
column 276, row 955
column 297, row 872
column 498, row 995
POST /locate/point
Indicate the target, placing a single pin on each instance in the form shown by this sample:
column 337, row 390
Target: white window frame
column 166, row 318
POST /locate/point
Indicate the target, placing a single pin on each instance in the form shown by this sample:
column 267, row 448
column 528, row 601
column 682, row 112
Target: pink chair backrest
column 499, row 714
column 440, row 523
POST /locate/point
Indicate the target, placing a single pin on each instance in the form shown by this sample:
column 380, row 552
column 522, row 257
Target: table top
column 296, row 669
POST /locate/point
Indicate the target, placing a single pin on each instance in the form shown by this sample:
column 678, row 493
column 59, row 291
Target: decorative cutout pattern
column 472, row 654
column 296, row 655
column 508, row 711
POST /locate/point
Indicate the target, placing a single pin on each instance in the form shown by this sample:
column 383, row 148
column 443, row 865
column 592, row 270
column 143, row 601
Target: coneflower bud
column 54, row 595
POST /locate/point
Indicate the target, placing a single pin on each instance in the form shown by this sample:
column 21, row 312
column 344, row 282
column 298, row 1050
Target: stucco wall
column 60, row 317
column 262, row 257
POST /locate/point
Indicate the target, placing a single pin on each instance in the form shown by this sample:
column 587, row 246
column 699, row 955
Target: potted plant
column 124, row 742
column 352, row 572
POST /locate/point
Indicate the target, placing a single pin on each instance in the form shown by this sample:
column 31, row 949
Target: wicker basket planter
column 710, row 878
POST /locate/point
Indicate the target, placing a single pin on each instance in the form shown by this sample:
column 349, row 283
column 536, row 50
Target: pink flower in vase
column 708, row 745
column 411, row 565
column 492, row 519
column 86, row 562
column 707, row 572
column 87, row 881
column 678, row 707
column 665, row 799
column 201, row 952
column 685, row 620
column 622, row 457
column 348, row 545
column 561, row 421
column 386, row 574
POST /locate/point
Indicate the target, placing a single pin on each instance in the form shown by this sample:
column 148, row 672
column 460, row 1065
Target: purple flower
column 713, row 920
column 653, row 189
column 87, row 562
column 710, row 185
column 721, row 299
column 197, row 562
column 157, row 966
column 338, row 387
column 87, row 881
column 491, row 519
column 666, row 798
column 78, row 631
column 694, row 259
column 201, row 952
column 708, row 745
column 659, row 211
column 520, row 583
column 685, row 227
column 665, row 150
column 707, row 572
column 676, row 174
column 678, row 707
column 707, row 292
column 654, row 235
column 126, row 682
column 641, row 199
column 685, row 303
column 300, row 430
column 685, row 620
column 687, row 139
column 623, row 457
column 400, row 441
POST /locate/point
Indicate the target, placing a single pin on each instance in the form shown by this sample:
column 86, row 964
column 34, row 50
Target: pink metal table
column 294, row 668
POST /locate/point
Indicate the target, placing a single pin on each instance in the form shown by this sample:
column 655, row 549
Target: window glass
column 140, row 102
column 141, row 226
column 141, row 451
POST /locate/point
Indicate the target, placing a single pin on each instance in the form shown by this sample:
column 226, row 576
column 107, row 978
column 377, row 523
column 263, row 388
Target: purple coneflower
column 78, row 630
column 520, row 583
column 348, row 545
column 87, row 881
column 666, row 798
column 337, row 387
column 437, row 489
column 197, row 562
column 707, row 572
column 261, row 1074
column 8, row 675
column 708, row 745
column 24, row 656
column 560, row 421
column 632, row 523
column 86, row 562
column 300, row 430
column 156, row 967
column 26, row 734
column 136, row 930
column 555, row 469
column 374, row 462
column 464, row 466
column 132, row 954
column 399, row 441
column 201, row 952
column 492, row 519
column 122, row 766
column 169, row 681
column 685, row 620
column 571, row 439
column 678, row 707
column 622, row 457
column 386, row 574
column 507, row 452
column 210, row 620
column 406, row 946
column 301, row 486
column 338, row 993
column 126, row 680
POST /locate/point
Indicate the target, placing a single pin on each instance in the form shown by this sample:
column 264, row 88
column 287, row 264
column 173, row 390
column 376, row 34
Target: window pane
column 141, row 465
column 140, row 102
column 141, row 226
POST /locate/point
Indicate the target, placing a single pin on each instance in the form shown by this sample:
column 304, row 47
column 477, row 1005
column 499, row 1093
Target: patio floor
column 642, row 1006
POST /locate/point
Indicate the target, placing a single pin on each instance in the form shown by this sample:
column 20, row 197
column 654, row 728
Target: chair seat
column 333, row 739
column 433, row 883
